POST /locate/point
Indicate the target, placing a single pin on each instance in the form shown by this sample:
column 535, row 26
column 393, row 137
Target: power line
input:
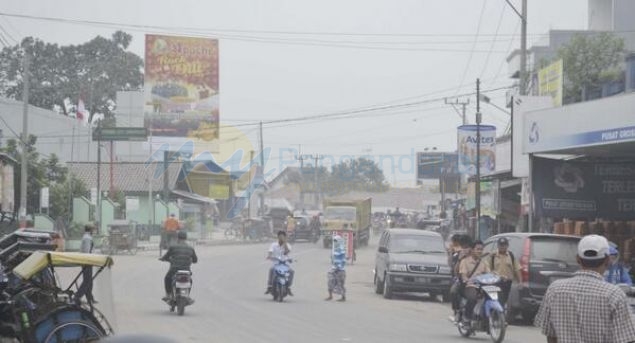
column 262, row 32
column 494, row 41
column 469, row 59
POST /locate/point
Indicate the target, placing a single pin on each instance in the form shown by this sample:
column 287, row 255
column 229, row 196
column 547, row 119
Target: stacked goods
column 558, row 228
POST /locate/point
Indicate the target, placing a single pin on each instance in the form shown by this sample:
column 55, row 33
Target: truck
column 343, row 215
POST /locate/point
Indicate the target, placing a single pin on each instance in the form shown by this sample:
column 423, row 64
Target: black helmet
column 503, row 241
column 182, row 235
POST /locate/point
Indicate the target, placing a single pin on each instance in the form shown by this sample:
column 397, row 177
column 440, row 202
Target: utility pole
column 457, row 102
column 166, row 177
column 316, row 184
column 99, row 177
column 251, row 164
column 300, row 157
column 478, row 159
column 25, row 140
column 262, row 172
column 523, row 49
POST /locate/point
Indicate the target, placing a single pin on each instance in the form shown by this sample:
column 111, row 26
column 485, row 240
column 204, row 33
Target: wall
column 624, row 15
column 54, row 132
column 81, row 210
column 600, row 15
column 108, row 213
column 43, row 222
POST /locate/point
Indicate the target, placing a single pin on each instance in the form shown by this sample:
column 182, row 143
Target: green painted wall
column 43, row 222
column 81, row 210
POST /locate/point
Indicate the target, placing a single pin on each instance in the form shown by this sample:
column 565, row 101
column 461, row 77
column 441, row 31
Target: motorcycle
column 630, row 294
column 181, row 288
column 281, row 276
column 488, row 315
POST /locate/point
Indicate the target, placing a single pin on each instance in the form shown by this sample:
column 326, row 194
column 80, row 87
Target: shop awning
column 194, row 197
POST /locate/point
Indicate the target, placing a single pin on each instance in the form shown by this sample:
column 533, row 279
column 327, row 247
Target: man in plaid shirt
column 585, row 308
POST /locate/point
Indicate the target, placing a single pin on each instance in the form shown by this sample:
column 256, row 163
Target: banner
column 348, row 243
column 551, row 80
column 467, row 149
column 8, row 194
column 181, row 87
column 584, row 190
column 490, row 201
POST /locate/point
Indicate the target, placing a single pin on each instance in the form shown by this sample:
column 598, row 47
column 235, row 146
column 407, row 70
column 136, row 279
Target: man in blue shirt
column 337, row 274
column 617, row 273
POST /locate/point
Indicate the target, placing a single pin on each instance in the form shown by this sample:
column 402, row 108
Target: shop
column 582, row 170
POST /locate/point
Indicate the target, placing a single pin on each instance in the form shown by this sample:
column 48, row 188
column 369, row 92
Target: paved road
column 230, row 306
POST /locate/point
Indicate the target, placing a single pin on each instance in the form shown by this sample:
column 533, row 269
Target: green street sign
column 120, row 134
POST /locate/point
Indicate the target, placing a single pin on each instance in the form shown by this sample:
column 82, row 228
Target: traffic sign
column 120, row 134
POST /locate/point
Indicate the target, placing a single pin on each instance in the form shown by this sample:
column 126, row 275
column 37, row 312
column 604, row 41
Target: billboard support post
column 478, row 158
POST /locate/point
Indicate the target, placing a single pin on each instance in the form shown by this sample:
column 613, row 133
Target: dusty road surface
column 229, row 282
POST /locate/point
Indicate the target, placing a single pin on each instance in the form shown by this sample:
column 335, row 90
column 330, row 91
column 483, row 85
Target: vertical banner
column 349, row 242
column 551, row 80
column 8, row 194
column 181, row 88
column 467, row 149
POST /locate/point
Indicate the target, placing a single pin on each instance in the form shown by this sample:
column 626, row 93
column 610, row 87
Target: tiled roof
column 128, row 176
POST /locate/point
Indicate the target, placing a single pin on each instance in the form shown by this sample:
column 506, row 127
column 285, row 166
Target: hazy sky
column 411, row 50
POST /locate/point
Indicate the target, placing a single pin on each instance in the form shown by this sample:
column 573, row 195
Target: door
column 551, row 258
column 381, row 258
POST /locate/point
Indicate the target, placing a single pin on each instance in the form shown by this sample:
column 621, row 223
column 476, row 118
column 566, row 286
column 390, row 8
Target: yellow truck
column 353, row 215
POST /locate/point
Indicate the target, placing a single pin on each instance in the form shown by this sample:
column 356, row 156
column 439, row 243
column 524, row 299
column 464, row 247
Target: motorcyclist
column 279, row 250
column 469, row 268
column 181, row 256
column 458, row 255
column 617, row 273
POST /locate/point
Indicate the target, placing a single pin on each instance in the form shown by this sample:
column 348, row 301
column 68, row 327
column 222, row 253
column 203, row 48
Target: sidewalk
column 217, row 238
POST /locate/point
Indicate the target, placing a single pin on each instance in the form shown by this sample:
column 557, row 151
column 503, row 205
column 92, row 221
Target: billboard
column 550, row 82
column 467, row 142
column 583, row 190
column 182, row 88
column 431, row 165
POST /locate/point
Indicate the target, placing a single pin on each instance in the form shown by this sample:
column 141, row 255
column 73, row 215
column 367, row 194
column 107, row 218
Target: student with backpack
column 504, row 264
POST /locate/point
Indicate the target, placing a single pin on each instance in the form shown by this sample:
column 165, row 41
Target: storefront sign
column 467, row 143
column 550, row 81
column 584, row 190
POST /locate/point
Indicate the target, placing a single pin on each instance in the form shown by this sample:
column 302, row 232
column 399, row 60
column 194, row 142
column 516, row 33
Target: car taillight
column 524, row 261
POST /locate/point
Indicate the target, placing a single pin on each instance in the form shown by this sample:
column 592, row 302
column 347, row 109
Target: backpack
column 510, row 255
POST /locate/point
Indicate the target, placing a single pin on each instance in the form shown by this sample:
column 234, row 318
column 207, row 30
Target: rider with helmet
column 617, row 272
column 181, row 256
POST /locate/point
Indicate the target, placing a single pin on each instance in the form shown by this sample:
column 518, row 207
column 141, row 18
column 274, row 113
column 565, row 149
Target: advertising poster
column 349, row 242
column 550, row 82
column 467, row 143
column 584, row 190
column 182, row 88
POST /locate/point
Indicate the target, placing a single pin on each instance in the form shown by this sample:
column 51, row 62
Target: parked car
column 303, row 229
column 543, row 258
column 412, row 260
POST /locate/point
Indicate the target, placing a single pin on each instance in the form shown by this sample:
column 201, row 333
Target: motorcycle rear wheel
column 180, row 306
column 497, row 326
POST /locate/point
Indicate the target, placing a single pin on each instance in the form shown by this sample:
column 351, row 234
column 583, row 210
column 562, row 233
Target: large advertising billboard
column 583, row 190
column 182, row 88
column 467, row 143
column 432, row 165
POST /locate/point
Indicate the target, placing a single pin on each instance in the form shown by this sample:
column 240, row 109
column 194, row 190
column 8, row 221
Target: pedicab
column 42, row 310
column 122, row 236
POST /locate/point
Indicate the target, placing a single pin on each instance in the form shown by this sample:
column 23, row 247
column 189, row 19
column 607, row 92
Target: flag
column 82, row 114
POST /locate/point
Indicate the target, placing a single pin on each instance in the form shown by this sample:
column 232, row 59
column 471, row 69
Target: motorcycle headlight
column 398, row 267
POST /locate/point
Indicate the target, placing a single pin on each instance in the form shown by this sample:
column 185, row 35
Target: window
column 550, row 249
column 416, row 243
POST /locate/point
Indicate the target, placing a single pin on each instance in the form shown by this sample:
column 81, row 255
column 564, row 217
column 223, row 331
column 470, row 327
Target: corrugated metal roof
column 128, row 176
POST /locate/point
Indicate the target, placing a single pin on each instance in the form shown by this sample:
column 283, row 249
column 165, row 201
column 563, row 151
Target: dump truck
column 343, row 215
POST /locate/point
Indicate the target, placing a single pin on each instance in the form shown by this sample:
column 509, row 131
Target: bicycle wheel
column 75, row 332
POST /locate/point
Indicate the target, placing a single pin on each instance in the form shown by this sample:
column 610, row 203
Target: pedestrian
column 171, row 226
column 337, row 274
column 86, row 287
column 585, row 308
column 617, row 272
column 504, row 264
